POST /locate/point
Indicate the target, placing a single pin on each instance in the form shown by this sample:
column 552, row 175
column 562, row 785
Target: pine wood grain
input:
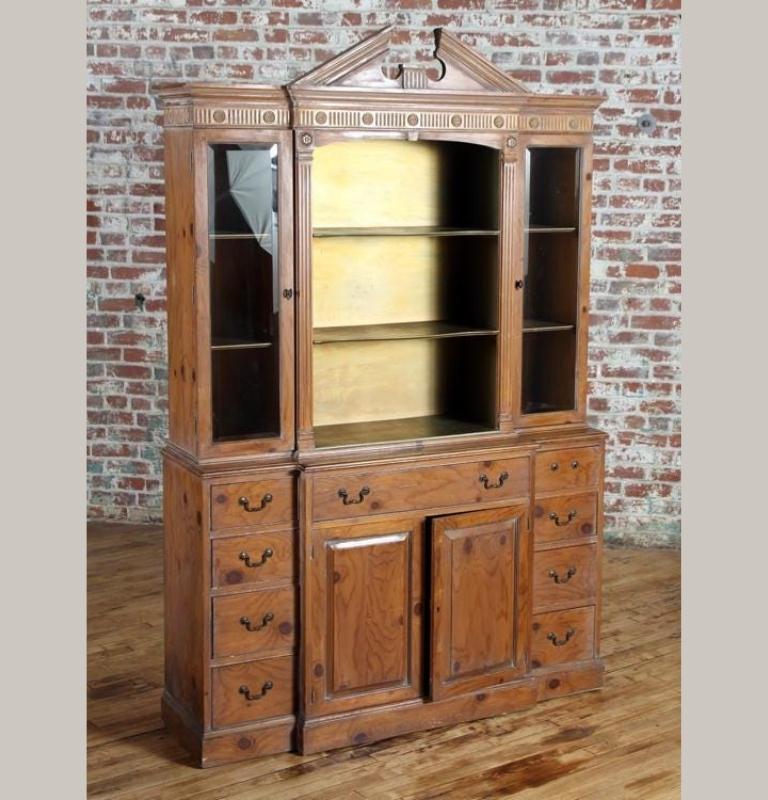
column 621, row 742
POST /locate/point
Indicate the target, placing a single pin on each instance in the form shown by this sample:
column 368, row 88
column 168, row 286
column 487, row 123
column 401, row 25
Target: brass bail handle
column 555, row 517
column 246, row 692
column 488, row 485
column 265, row 556
column 361, row 495
column 246, row 503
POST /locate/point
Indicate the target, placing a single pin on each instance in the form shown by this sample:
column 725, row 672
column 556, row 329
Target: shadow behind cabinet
column 382, row 502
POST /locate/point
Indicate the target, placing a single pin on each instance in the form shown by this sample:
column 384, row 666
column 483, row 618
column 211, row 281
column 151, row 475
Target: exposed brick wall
column 625, row 50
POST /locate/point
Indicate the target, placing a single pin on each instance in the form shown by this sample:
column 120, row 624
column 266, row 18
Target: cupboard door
column 364, row 603
column 246, row 291
column 555, row 282
column 480, row 604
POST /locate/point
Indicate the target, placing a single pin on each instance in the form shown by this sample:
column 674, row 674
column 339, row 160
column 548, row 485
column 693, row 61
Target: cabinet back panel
column 373, row 183
column 354, row 381
column 390, row 279
column 368, row 281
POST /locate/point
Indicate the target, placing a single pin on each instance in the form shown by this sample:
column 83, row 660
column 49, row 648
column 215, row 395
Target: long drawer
column 357, row 493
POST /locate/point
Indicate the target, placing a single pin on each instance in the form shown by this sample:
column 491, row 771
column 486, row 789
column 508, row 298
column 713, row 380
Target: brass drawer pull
column 265, row 620
column 574, row 464
column 361, row 495
column 267, row 554
column 555, row 575
column 244, row 690
column 555, row 517
column 554, row 467
column 246, row 504
column 484, row 480
column 560, row 642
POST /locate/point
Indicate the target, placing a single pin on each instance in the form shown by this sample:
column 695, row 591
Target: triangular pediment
column 461, row 69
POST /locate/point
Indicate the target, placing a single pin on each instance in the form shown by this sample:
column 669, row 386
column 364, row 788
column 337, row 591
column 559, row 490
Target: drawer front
column 253, row 560
column 251, row 691
column 264, row 502
column 564, row 577
column 561, row 636
column 262, row 623
column 574, row 468
column 565, row 517
column 355, row 494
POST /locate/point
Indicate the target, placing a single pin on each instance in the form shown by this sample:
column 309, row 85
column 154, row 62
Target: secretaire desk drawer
column 359, row 492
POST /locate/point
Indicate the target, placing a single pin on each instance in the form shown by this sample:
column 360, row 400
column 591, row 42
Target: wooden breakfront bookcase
column 382, row 500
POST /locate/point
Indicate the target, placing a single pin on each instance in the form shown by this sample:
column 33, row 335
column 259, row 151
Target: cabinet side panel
column 180, row 272
column 185, row 593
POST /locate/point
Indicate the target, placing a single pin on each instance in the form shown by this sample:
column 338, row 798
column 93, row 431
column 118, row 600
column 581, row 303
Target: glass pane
column 550, row 305
column 244, row 287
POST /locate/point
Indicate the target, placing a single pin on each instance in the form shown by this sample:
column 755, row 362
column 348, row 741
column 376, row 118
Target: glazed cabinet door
column 480, row 604
column 554, row 276
column 245, row 291
column 363, row 601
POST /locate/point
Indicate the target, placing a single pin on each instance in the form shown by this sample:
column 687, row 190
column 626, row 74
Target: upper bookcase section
column 460, row 91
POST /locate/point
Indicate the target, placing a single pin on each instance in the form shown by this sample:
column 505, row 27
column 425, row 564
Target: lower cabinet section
column 253, row 690
column 349, row 616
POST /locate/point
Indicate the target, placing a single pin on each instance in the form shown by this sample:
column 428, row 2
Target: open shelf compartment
column 405, row 298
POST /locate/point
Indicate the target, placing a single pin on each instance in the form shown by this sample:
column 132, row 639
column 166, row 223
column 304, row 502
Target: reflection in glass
column 244, row 287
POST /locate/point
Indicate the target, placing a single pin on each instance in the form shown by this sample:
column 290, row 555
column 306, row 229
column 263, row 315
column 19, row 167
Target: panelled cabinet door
column 364, row 603
column 480, row 580
column 245, row 291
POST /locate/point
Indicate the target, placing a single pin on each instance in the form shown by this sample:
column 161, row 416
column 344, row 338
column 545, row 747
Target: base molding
column 213, row 748
column 373, row 724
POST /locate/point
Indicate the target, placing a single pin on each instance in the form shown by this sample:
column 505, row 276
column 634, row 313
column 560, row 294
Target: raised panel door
column 480, row 606
column 363, row 642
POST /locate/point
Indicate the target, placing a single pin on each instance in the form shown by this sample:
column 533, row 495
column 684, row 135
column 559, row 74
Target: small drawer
column 253, row 560
column 240, row 505
column 564, row 577
column 349, row 493
column 253, row 690
column 564, row 518
column 574, row 468
column 262, row 623
column 561, row 636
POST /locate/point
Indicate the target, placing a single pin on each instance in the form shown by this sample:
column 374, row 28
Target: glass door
column 247, row 298
column 551, row 280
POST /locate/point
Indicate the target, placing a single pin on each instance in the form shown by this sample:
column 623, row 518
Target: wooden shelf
column 398, row 330
column 226, row 344
column 548, row 229
column 403, row 231
column 393, row 430
column 542, row 326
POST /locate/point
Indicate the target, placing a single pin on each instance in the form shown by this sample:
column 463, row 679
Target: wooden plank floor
column 621, row 742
